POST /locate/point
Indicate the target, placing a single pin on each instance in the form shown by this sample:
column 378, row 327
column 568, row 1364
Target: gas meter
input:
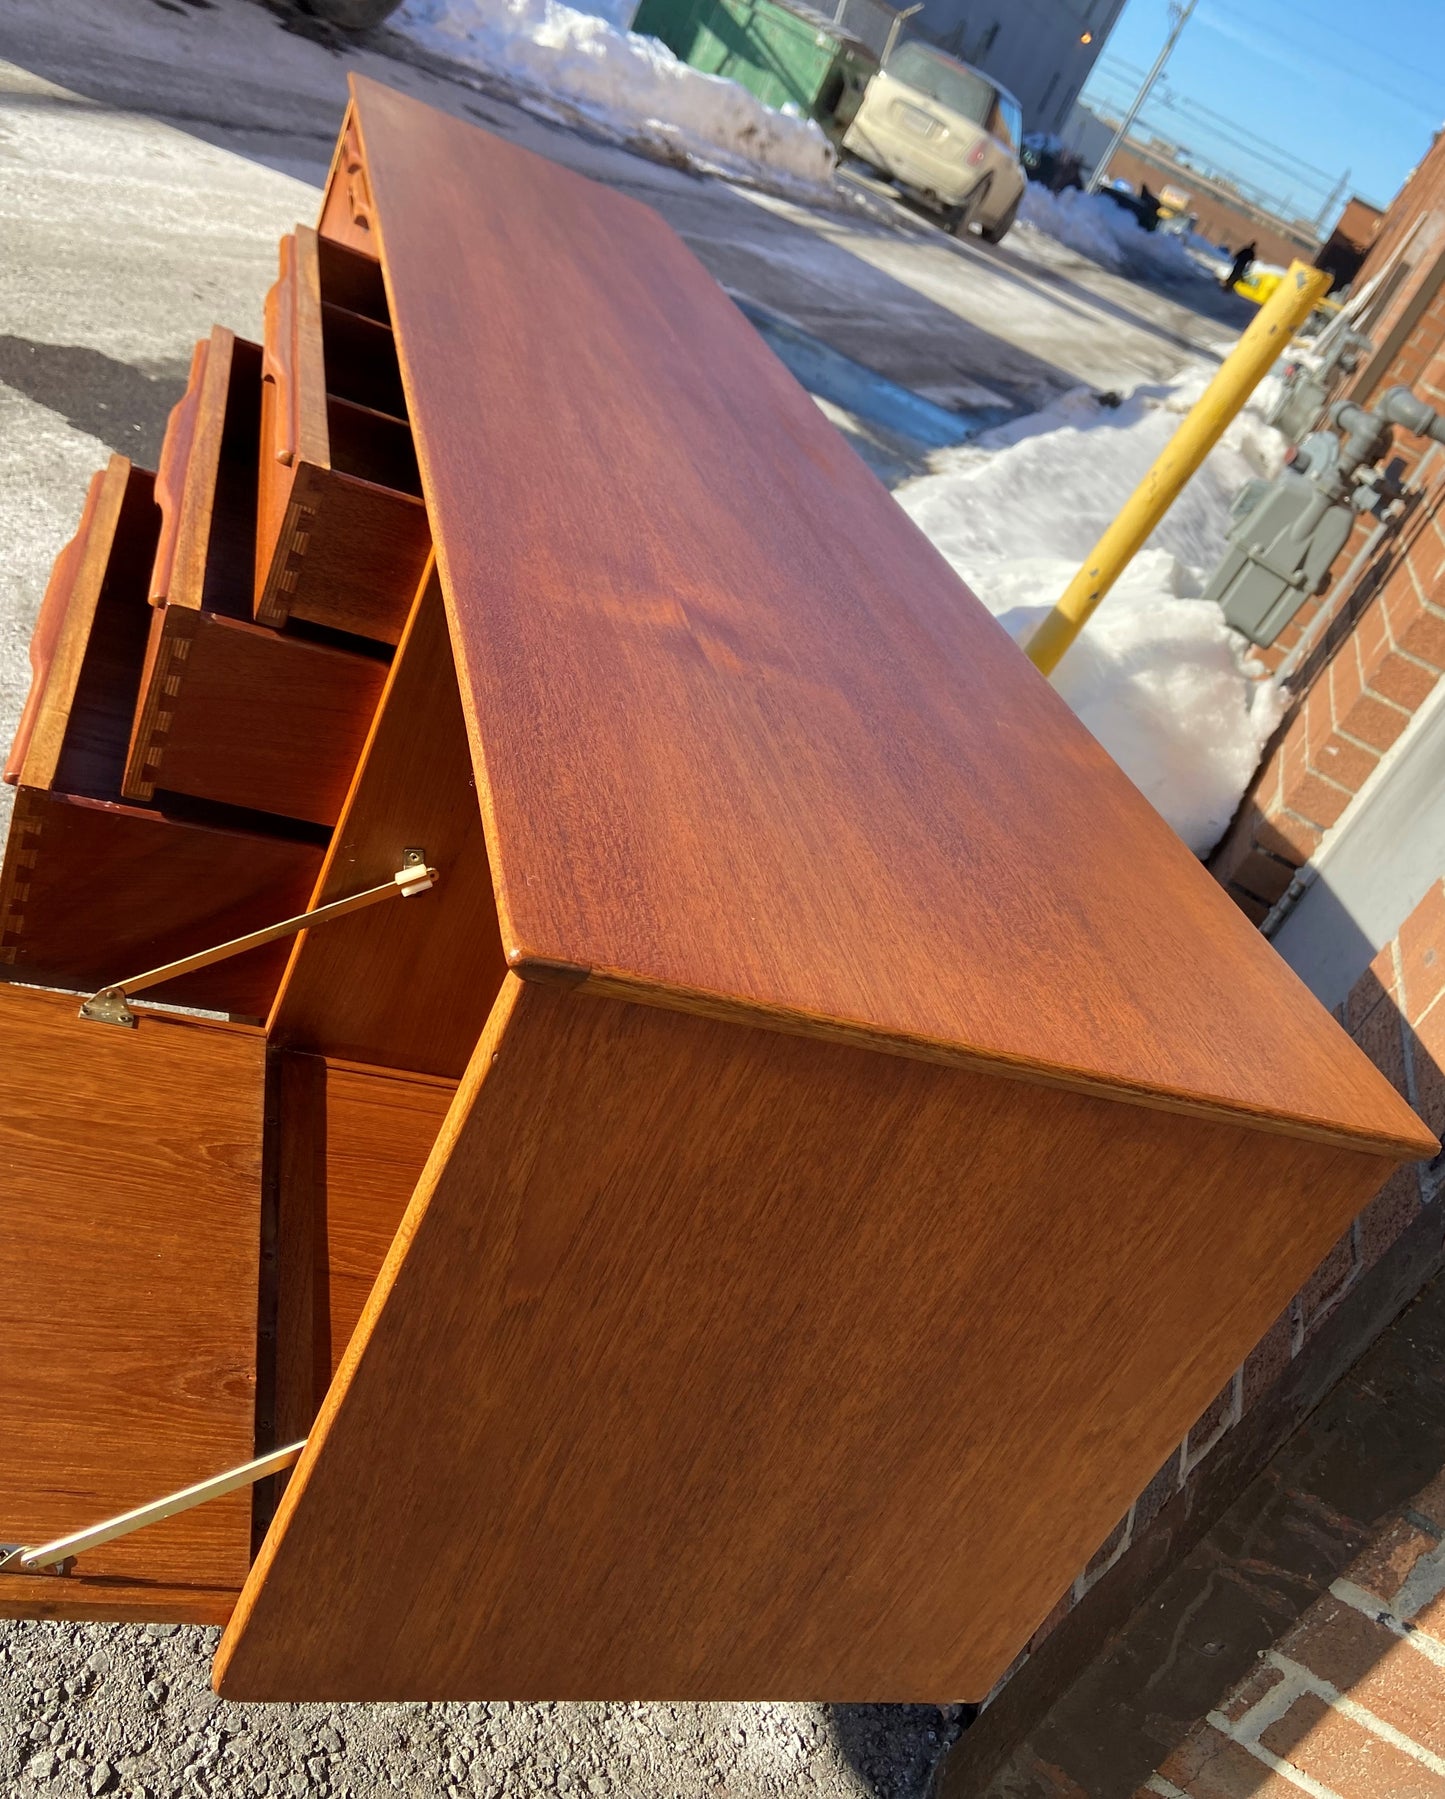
column 1288, row 532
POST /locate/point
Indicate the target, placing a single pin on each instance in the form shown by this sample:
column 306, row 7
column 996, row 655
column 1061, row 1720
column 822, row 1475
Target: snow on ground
column 1157, row 676
column 1105, row 233
column 629, row 84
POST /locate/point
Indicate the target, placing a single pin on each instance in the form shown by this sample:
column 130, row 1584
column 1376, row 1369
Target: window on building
column 1049, row 91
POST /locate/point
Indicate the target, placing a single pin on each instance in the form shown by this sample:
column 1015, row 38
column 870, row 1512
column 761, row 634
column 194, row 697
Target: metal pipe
column 897, row 26
column 108, row 1005
column 61, row 1549
column 1323, row 618
column 1241, row 372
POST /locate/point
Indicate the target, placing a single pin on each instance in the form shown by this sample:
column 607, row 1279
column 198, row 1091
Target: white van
column 947, row 134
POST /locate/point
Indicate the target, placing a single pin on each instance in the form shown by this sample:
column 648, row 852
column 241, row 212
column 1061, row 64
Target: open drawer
column 229, row 711
column 342, row 536
column 81, row 564
column 94, row 886
column 145, row 1341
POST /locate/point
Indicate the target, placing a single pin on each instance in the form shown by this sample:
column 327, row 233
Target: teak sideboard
column 750, row 1228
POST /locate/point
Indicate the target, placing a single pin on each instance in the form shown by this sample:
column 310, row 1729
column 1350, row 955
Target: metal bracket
column 10, row 1554
column 58, row 1556
column 109, row 1005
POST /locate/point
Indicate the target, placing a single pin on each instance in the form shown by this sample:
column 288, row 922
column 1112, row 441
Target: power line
column 1316, row 25
column 1310, row 54
column 1128, row 69
column 1262, row 149
column 1210, row 166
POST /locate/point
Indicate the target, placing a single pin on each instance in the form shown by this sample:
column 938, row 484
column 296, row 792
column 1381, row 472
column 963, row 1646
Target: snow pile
column 1157, row 676
column 632, row 84
column 1105, row 233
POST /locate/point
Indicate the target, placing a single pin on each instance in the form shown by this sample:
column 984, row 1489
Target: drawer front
column 342, row 536
column 128, row 1303
column 346, row 207
column 95, row 598
column 239, row 715
column 186, row 474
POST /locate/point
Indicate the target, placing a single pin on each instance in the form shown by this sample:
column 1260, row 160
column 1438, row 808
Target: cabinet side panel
column 712, row 1363
column 353, row 1142
column 404, row 985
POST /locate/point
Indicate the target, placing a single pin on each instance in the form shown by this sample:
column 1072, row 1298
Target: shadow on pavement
column 125, row 406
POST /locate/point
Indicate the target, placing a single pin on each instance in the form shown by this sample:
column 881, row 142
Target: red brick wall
column 1219, row 221
column 1422, row 194
column 1375, row 665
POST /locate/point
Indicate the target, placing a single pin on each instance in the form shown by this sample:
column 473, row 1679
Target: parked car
column 1144, row 205
column 945, row 133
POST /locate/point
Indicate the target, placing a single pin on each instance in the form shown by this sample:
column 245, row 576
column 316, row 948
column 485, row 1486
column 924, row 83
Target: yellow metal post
column 1241, row 372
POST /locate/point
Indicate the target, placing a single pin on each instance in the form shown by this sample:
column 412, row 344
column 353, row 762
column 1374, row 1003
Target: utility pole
column 1179, row 11
column 1337, row 194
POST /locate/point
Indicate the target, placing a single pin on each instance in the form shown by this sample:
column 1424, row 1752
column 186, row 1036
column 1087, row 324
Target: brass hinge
column 109, row 1006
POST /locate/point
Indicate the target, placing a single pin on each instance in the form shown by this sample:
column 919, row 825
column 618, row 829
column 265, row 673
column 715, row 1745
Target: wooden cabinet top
column 744, row 743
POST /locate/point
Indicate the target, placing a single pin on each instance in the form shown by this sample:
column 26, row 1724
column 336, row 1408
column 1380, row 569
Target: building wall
column 1350, row 242
column 1087, row 135
column 1032, row 46
column 1223, row 220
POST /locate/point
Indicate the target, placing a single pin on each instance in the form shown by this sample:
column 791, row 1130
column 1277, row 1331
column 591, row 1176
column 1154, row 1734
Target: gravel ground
column 126, row 1710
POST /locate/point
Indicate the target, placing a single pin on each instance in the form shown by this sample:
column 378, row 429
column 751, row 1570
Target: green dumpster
column 780, row 53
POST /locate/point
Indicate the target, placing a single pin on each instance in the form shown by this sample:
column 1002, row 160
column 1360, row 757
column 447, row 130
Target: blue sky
column 1290, row 93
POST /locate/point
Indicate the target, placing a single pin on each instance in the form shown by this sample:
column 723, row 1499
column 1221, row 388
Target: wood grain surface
column 747, row 742
column 92, row 892
column 408, row 984
column 128, row 1298
column 91, row 639
column 346, row 205
column 62, row 628
column 717, row 1363
column 95, row 1600
column 186, row 476
column 176, row 449
column 84, row 721
column 241, row 715
column 92, row 888
column 353, row 1143
column 342, row 535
